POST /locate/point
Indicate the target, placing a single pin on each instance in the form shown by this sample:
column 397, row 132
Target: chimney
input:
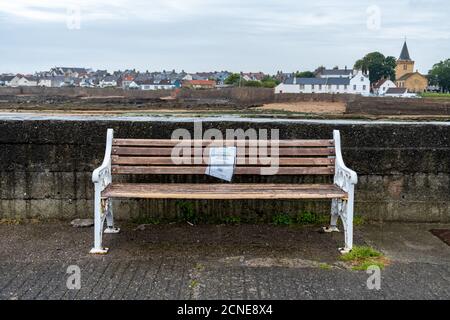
column 295, row 80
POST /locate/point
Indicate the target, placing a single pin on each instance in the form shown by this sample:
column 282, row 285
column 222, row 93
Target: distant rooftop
column 396, row 90
column 337, row 72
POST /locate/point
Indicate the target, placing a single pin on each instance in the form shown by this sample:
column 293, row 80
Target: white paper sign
column 221, row 162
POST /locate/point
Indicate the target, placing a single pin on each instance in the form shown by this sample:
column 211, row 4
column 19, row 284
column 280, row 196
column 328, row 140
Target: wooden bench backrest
column 154, row 156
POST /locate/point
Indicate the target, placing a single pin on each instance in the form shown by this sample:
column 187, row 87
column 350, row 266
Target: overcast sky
column 206, row 35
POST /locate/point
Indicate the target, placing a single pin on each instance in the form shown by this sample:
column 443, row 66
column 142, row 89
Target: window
column 345, row 87
column 329, row 87
column 362, row 79
column 405, row 67
column 320, row 87
column 312, row 87
column 337, row 87
column 364, row 87
column 354, row 87
column 302, row 87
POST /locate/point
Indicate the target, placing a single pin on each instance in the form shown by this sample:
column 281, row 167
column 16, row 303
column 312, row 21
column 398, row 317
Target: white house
column 108, row 81
column 382, row 86
column 55, row 81
column 151, row 84
column 88, row 82
column 358, row 84
column 23, row 81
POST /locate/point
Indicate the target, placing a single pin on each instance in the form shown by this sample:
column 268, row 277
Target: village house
column 71, row 72
column 90, row 82
column 382, row 86
column 5, row 79
column 253, row 76
column 52, row 81
column 23, row 81
column 359, row 83
column 126, row 81
column 108, row 82
column 152, row 84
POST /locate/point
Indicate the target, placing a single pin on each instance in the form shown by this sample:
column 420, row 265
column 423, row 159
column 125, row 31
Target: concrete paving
column 179, row 261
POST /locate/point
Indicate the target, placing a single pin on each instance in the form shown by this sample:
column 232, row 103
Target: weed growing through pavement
column 362, row 257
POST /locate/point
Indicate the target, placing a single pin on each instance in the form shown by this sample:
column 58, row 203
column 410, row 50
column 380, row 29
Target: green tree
column 305, row 74
column 269, row 82
column 233, row 79
column 378, row 66
column 440, row 75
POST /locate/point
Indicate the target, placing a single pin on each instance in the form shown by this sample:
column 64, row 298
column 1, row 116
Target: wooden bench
column 154, row 157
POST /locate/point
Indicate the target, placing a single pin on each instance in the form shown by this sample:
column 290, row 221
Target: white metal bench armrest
column 101, row 176
column 344, row 177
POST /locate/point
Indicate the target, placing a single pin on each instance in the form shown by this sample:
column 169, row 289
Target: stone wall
column 46, row 166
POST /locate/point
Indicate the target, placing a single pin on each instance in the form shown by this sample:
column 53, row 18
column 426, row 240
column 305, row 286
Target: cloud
column 205, row 34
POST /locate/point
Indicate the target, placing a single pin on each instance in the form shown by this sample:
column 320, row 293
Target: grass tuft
column 231, row 220
column 188, row 212
column 309, row 218
column 282, row 219
column 324, row 266
column 362, row 257
column 358, row 220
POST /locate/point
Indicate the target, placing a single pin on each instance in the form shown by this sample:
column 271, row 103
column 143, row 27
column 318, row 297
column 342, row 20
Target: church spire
column 404, row 55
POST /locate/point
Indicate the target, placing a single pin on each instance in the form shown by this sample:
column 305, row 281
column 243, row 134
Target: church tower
column 404, row 63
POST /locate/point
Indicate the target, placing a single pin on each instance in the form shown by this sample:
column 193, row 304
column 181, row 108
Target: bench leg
column 334, row 217
column 344, row 210
column 110, row 228
column 346, row 214
column 98, row 225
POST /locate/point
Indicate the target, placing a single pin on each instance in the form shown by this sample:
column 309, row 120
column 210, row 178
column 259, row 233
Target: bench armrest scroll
column 101, row 176
column 344, row 177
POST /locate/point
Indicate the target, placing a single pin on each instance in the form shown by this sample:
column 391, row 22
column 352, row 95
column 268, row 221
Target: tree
column 233, row 79
column 269, row 82
column 440, row 75
column 253, row 83
column 305, row 74
column 378, row 66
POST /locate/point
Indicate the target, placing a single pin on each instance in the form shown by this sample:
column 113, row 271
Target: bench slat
column 171, row 143
column 124, row 160
column 224, row 191
column 137, row 151
column 239, row 170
